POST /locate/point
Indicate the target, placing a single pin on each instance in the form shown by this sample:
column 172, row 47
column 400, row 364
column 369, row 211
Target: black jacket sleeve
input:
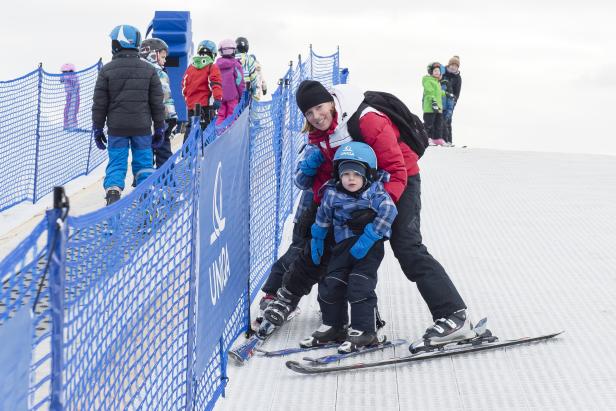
column 457, row 88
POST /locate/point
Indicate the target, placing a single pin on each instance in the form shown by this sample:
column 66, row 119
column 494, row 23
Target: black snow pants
column 351, row 281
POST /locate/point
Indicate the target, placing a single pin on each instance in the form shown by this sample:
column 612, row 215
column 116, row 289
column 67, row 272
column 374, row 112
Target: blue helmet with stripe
column 207, row 46
column 125, row 37
column 358, row 153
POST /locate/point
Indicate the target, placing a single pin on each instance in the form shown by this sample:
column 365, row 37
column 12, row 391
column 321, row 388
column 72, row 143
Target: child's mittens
column 365, row 242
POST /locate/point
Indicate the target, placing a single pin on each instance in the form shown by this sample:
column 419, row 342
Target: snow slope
column 528, row 239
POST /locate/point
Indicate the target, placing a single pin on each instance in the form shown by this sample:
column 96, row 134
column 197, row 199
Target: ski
column 447, row 352
column 294, row 350
column 246, row 350
column 364, row 350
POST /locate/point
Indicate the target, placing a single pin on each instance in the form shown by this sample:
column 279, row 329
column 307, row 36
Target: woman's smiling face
column 320, row 116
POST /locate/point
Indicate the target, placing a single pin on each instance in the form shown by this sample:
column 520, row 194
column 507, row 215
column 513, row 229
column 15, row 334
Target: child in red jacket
column 202, row 80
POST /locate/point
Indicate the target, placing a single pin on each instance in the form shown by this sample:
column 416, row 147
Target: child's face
column 453, row 68
column 320, row 117
column 162, row 57
column 351, row 181
column 436, row 72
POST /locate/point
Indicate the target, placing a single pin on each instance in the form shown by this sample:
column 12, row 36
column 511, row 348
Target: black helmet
column 151, row 47
column 153, row 44
column 241, row 44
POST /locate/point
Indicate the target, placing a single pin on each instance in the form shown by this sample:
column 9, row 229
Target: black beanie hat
column 311, row 93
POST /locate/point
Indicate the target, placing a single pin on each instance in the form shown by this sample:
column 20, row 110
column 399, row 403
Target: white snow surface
column 528, row 238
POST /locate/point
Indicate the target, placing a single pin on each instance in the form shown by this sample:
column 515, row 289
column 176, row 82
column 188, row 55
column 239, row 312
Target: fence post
column 98, row 67
column 223, row 366
column 311, row 59
column 193, row 157
column 251, row 139
column 336, row 70
column 278, row 136
column 289, row 130
column 277, row 105
column 56, row 254
column 38, row 131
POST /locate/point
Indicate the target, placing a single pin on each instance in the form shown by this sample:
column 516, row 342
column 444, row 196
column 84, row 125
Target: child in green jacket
column 433, row 104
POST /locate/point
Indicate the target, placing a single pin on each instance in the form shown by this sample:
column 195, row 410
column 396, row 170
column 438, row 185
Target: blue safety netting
column 21, row 273
column 45, row 133
column 116, row 319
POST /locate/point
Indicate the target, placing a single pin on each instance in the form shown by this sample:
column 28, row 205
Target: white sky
column 536, row 75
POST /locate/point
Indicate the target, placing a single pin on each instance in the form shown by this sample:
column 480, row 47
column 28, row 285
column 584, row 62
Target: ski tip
column 297, row 367
column 481, row 322
column 236, row 358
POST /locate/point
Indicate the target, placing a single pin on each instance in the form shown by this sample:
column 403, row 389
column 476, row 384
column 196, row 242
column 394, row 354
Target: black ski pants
column 301, row 236
column 351, row 281
column 433, row 283
column 435, row 125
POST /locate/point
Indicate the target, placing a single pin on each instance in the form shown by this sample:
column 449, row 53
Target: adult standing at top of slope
column 452, row 81
column 327, row 114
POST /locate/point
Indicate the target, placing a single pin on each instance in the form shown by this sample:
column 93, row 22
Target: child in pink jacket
column 232, row 79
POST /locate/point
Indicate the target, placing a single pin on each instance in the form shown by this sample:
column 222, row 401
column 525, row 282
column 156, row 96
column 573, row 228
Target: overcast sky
column 536, row 75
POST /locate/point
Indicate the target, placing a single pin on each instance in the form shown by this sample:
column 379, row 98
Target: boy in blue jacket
column 356, row 207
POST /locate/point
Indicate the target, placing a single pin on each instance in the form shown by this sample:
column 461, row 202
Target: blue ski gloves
column 317, row 244
column 216, row 104
column 99, row 138
column 365, row 242
column 158, row 137
column 311, row 162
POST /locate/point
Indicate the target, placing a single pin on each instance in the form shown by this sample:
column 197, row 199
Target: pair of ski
column 484, row 341
column 454, row 349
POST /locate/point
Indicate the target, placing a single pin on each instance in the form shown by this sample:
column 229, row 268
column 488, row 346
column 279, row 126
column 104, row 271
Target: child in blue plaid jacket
column 360, row 211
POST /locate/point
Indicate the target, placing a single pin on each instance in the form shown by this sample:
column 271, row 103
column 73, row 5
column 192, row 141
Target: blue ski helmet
column 125, row 37
column 205, row 46
column 358, row 153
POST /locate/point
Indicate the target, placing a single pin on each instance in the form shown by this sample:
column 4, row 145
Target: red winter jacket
column 199, row 84
column 393, row 155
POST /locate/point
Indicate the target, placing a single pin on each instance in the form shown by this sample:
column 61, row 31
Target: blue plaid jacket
column 336, row 208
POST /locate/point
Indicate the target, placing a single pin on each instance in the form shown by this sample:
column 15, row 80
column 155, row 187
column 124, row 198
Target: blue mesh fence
column 121, row 334
column 45, row 133
column 21, row 273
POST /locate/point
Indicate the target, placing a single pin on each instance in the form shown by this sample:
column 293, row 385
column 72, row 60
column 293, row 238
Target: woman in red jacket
column 326, row 116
